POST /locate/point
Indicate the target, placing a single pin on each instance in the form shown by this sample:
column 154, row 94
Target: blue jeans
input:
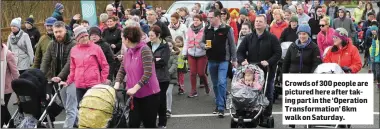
column 218, row 72
column 69, row 98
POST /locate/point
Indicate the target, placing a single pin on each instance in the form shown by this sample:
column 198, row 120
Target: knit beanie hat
column 95, row 30
column 372, row 28
column 304, row 28
column 294, row 19
column 80, row 32
column 341, row 33
column 30, row 20
column 103, row 17
column 50, row 21
column 243, row 11
column 58, row 6
column 16, row 22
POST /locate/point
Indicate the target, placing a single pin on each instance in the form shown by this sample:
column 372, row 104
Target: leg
column 213, row 67
column 80, row 94
column 222, row 85
column 149, row 110
column 71, row 104
column 134, row 115
column 162, row 108
column 193, row 72
column 201, row 65
column 169, row 97
column 181, row 89
column 5, row 115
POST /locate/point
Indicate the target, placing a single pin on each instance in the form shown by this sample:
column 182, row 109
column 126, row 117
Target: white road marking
column 200, row 115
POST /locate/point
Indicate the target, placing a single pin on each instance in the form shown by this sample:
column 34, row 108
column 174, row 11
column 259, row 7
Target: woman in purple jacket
column 140, row 79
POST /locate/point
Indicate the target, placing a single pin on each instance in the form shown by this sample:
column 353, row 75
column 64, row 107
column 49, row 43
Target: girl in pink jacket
column 324, row 37
column 9, row 72
column 88, row 65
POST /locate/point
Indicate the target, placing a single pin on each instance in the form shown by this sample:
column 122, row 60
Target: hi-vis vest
column 180, row 61
column 375, row 49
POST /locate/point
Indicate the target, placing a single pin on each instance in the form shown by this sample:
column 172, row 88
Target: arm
column 286, row 62
column 66, row 69
column 174, row 65
column 47, row 59
column 102, row 60
column 356, row 63
column 29, row 49
column 241, row 53
column 276, row 48
column 165, row 55
column 147, row 57
column 320, row 44
column 11, row 64
column 118, row 44
column 121, row 73
column 111, row 62
column 70, row 78
column 372, row 48
column 282, row 37
column 316, row 58
column 37, row 58
column 231, row 42
column 185, row 45
column 327, row 58
column 72, row 22
column 353, row 30
column 38, row 35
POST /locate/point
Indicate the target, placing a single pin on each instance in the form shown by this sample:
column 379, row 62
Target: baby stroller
column 278, row 74
column 328, row 68
column 34, row 110
column 104, row 107
column 248, row 102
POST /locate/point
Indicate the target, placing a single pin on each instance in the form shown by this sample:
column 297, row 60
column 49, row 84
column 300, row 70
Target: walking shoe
column 215, row 111
column 162, row 127
column 221, row 114
column 207, row 90
column 181, row 91
column 168, row 113
column 192, row 95
column 201, row 86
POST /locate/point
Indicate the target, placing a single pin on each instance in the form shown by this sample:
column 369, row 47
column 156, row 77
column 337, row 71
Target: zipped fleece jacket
column 193, row 45
column 88, row 65
column 346, row 56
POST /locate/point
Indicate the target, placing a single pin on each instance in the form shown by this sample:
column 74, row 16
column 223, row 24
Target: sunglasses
column 321, row 25
column 223, row 13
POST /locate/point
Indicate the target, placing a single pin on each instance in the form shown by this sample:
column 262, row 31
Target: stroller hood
column 329, row 68
column 284, row 47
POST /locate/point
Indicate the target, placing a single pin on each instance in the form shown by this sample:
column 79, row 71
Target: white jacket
column 181, row 31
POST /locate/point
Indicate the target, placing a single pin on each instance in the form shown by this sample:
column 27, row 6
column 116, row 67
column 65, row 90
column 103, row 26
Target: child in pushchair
column 36, row 104
column 247, row 96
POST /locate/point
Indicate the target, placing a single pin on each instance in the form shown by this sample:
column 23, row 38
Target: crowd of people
column 142, row 51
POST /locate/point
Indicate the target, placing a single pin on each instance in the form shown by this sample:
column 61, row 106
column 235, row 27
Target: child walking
column 173, row 77
column 182, row 69
column 374, row 53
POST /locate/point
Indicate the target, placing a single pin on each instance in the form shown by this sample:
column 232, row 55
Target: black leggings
column 5, row 115
column 80, row 94
column 145, row 111
column 162, row 108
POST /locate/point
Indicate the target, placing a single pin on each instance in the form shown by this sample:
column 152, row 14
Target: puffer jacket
column 41, row 48
column 325, row 40
column 21, row 46
column 277, row 29
column 289, row 35
column 163, row 52
column 180, row 31
column 58, row 15
column 193, row 44
column 88, row 65
column 10, row 71
column 301, row 59
column 347, row 56
column 374, row 49
column 173, row 67
column 49, row 62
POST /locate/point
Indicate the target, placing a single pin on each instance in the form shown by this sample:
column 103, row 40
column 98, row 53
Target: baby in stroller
column 250, row 79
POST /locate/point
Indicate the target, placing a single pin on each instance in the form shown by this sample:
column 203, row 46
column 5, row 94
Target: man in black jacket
column 314, row 23
column 264, row 48
column 152, row 20
column 95, row 35
column 32, row 31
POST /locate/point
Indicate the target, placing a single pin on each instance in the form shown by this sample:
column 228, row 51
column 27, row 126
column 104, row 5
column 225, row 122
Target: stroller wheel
column 271, row 122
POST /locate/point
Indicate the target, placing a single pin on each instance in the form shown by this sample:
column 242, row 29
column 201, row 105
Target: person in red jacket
column 226, row 19
column 278, row 25
column 88, row 64
column 344, row 53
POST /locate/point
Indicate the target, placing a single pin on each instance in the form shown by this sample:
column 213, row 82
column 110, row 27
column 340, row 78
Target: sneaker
column 215, row 111
column 207, row 90
column 192, row 95
column 168, row 113
column 221, row 114
column 162, row 127
column 181, row 91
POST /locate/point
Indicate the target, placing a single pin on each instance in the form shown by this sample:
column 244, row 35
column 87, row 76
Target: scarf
column 302, row 46
column 196, row 29
column 16, row 37
column 175, row 26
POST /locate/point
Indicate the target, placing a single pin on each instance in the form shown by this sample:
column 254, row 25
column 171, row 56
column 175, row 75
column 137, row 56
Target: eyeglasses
column 321, row 25
column 223, row 13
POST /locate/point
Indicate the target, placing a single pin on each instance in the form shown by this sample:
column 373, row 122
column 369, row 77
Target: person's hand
column 107, row 82
column 133, row 90
column 113, row 46
column 47, row 96
column 184, row 57
column 120, row 57
column 76, row 17
column 158, row 59
column 117, row 85
column 346, row 69
column 56, row 79
column 235, row 64
column 207, row 47
column 62, row 83
column 264, row 63
column 244, row 63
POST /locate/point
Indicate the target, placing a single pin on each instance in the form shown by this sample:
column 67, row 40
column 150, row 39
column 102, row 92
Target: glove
column 346, row 69
column 184, row 58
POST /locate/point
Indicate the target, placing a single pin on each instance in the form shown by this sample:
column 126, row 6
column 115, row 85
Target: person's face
column 109, row 12
column 59, row 33
column 83, row 40
column 126, row 13
column 259, row 4
column 337, row 41
column 61, row 11
column 370, row 17
column 151, row 16
column 248, row 78
column 49, row 29
column 152, row 36
column 196, row 22
column 174, row 20
column 332, row 2
column 243, row 17
column 217, row 6
column 84, row 24
column 215, row 20
column 289, row 1
column 178, row 43
column 224, row 15
column 303, row 36
column 110, row 23
column 293, row 24
column 245, row 30
column 94, row 37
column 369, row 7
column 299, row 10
column 316, row 2
column 210, row 16
column 170, row 45
column 374, row 32
column 137, row 6
column 323, row 26
column 360, row 3
column 260, row 23
column 182, row 13
column 14, row 29
column 287, row 15
column 319, row 12
column 348, row 15
column 277, row 16
column 341, row 14
column 28, row 25
column 196, row 7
